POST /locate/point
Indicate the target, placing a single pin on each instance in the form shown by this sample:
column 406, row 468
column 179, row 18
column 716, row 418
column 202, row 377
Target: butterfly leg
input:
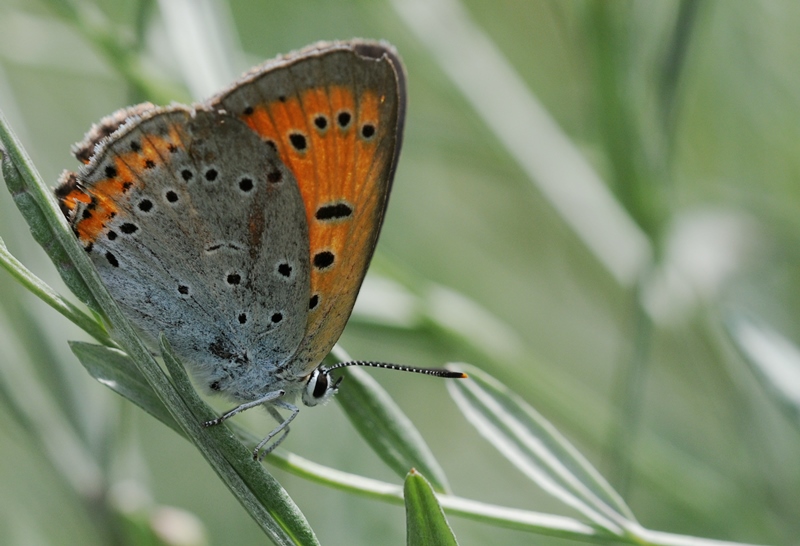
column 269, row 397
column 283, row 425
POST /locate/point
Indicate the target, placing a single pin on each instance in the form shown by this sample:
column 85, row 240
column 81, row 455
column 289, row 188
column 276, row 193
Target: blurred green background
column 686, row 111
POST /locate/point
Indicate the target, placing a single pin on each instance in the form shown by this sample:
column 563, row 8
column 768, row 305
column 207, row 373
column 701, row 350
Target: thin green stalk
column 500, row 516
column 123, row 56
column 41, row 290
column 629, row 392
column 256, row 489
column 672, row 72
column 511, row 518
column 617, row 118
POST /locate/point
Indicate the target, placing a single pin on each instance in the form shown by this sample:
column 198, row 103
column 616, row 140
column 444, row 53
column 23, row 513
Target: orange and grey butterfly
column 242, row 227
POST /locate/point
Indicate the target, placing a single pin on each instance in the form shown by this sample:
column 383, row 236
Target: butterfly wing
column 198, row 230
column 335, row 114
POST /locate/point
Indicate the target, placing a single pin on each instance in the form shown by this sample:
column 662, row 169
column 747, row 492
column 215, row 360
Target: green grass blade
column 519, row 121
column 20, row 176
column 257, row 490
column 490, row 514
column 125, row 57
column 40, row 289
column 535, row 447
column 118, row 372
column 774, row 359
column 425, row 520
column 388, row 430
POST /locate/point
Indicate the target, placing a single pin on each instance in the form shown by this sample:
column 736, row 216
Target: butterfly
column 242, row 227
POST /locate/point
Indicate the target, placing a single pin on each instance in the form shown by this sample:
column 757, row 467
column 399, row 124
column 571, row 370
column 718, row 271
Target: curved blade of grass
column 385, row 427
column 535, row 447
column 104, row 35
column 774, row 359
column 118, row 372
column 425, row 520
column 44, row 362
column 15, row 162
column 43, row 291
column 490, row 514
column 500, row 516
column 257, row 490
column 554, row 163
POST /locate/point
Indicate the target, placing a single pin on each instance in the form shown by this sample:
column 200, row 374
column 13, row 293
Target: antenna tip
column 455, row 374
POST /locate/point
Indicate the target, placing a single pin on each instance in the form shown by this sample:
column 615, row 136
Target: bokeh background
column 590, row 197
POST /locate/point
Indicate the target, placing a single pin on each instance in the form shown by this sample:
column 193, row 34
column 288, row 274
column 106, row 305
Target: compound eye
column 321, row 386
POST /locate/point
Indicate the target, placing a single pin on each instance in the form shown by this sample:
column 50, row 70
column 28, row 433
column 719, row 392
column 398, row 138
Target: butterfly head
column 320, row 387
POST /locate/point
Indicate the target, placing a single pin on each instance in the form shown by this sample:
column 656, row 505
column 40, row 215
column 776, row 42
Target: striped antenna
column 436, row 372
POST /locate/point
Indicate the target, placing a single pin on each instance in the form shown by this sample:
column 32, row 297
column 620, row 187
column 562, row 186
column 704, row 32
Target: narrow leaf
column 388, row 430
column 18, row 172
column 117, row 371
column 774, row 359
column 490, row 514
column 258, row 491
column 45, row 293
column 425, row 521
column 26, row 327
column 536, row 448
